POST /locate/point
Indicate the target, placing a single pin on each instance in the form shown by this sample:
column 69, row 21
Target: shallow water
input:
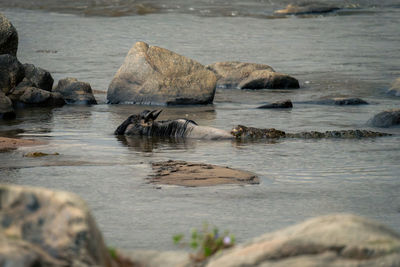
column 355, row 54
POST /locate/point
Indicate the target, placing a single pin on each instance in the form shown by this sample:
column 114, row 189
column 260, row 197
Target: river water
column 354, row 52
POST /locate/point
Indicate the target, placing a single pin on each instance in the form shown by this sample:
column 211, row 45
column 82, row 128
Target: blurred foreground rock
column 333, row 240
column 156, row 76
column 40, row 227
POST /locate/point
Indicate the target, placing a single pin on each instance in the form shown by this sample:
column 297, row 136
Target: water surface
column 353, row 54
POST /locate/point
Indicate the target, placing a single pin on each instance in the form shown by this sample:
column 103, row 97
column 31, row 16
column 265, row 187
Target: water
column 354, row 53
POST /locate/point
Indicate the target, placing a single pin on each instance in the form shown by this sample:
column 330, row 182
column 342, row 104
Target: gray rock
column 26, row 96
column 75, row 92
column 349, row 101
column 6, row 108
column 395, row 89
column 265, row 79
column 306, row 8
column 154, row 75
column 8, row 37
column 280, row 104
column 333, row 240
column 40, row 227
column 385, row 118
column 231, row 73
column 11, row 72
column 39, row 77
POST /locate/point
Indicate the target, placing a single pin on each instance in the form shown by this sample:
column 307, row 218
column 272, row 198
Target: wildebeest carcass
column 145, row 124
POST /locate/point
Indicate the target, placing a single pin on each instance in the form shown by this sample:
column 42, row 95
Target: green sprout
column 205, row 242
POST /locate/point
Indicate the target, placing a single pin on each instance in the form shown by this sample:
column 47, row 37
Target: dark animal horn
column 155, row 115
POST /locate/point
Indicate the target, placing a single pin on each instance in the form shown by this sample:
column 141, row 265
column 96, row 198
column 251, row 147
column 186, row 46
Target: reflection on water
column 148, row 144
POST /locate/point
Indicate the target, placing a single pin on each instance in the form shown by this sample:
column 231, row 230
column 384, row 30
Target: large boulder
column 40, row 227
column 154, row 75
column 75, row 92
column 28, row 96
column 265, row 79
column 6, row 108
column 40, row 77
column 395, row 89
column 334, row 240
column 231, row 73
column 385, row 118
column 8, row 37
column 11, row 72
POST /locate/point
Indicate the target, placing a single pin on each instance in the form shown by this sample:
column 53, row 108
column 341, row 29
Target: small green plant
column 113, row 253
column 206, row 242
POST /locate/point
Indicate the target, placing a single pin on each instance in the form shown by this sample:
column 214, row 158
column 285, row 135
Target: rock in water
column 231, row 73
column 386, row 118
column 281, row 104
column 39, row 77
column 11, row 72
column 6, row 108
column 349, row 101
column 395, row 89
column 75, row 92
column 27, row 96
column 264, row 79
column 198, row 174
column 8, row 37
column 154, row 75
column 41, row 227
column 333, row 240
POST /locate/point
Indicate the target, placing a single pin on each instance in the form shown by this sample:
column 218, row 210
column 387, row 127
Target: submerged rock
column 198, row 174
column 333, row 240
column 339, row 101
column 75, row 92
column 386, row 118
column 11, row 72
column 306, row 8
column 395, row 89
column 39, row 77
column 6, row 108
column 231, row 73
column 8, row 37
column 348, row 101
column 7, row 144
column 280, row 104
column 154, row 75
column 41, row 227
column 265, row 79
